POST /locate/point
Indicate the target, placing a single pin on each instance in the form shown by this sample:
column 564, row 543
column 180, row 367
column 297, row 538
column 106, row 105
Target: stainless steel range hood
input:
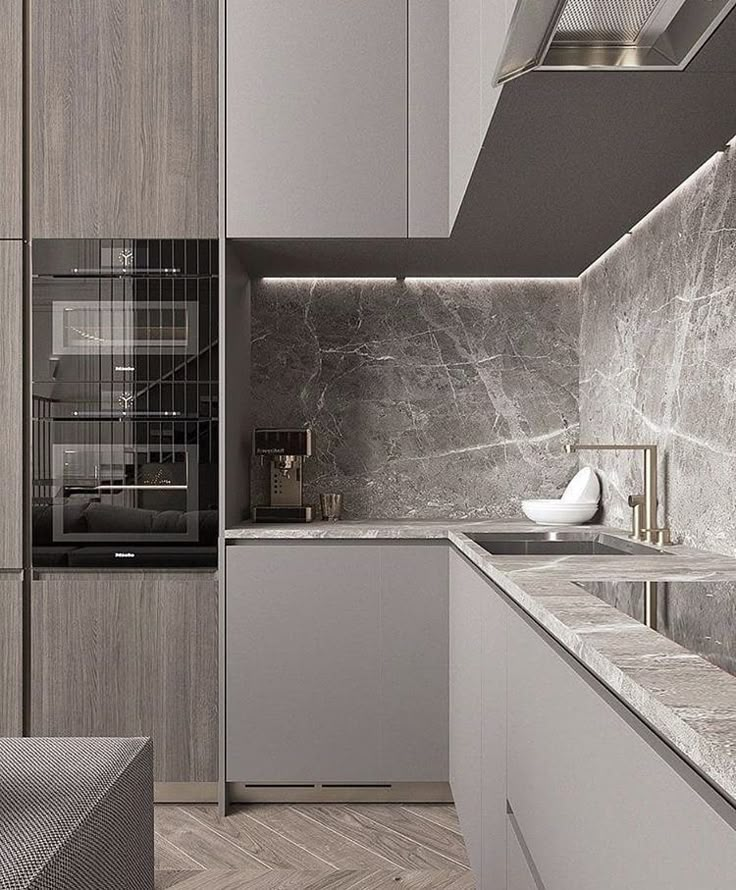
column 607, row 35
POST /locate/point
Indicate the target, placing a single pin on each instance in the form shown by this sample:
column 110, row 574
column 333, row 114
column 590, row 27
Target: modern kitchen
column 368, row 467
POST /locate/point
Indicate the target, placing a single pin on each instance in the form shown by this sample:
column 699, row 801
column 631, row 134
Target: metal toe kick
column 396, row 792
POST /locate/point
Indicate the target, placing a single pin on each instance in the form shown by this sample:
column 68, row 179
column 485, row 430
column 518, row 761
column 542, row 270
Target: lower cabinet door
column 519, row 871
column 602, row 802
column 129, row 654
column 478, row 719
column 11, row 656
column 337, row 662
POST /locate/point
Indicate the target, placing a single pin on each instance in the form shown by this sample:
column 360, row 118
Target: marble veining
column 688, row 700
column 427, row 398
column 658, row 358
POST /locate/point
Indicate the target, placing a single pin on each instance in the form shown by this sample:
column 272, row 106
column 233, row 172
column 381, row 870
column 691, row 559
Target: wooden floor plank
column 166, row 879
column 207, row 847
column 255, row 837
column 395, row 848
column 441, row 813
column 420, row 831
column 333, row 847
column 167, row 857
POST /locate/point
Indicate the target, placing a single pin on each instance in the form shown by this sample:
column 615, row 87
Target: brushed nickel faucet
column 644, row 506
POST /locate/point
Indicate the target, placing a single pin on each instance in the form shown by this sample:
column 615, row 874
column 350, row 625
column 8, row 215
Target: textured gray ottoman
column 76, row 814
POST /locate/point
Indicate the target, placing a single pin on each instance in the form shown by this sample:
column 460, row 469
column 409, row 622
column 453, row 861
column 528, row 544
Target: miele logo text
column 124, row 555
column 272, row 450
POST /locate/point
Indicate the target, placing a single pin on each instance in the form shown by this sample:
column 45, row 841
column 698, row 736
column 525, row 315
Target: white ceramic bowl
column 553, row 511
column 583, row 488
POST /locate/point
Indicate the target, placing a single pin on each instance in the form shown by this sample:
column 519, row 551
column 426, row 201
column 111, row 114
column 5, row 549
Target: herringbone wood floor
column 311, row 847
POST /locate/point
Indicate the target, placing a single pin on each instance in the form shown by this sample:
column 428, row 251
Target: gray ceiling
column 571, row 161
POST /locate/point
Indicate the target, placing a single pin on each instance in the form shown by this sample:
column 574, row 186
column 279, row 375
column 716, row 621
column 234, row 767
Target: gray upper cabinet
column 11, row 405
column 454, row 46
column 11, row 119
column 316, row 118
column 129, row 654
column 336, row 662
column 124, row 118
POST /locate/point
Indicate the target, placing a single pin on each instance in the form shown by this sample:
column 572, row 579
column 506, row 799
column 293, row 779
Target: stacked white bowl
column 578, row 504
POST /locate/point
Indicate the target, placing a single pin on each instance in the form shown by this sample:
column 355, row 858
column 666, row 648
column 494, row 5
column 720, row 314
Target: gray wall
column 427, row 398
column 658, row 357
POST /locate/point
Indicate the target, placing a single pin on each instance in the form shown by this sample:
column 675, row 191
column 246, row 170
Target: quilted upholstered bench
column 76, row 814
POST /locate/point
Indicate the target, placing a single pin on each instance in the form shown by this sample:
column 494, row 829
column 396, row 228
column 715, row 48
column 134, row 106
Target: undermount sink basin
column 572, row 543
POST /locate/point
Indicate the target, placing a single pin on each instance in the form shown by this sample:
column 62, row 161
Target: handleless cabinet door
column 601, row 802
column 316, row 118
column 11, row 119
column 129, row 654
column 11, row 404
column 478, row 719
column 414, row 660
column 303, row 663
column 124, row 129
column 466, row 704
column 11, row 656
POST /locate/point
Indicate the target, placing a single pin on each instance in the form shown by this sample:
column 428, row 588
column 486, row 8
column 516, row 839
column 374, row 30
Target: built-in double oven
column 124, row 403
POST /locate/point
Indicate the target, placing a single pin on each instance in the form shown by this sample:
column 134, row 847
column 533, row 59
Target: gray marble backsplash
column 658, row 358
column 427, row 398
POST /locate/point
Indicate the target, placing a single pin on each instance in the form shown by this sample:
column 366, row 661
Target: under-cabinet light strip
column 277, row 278
column 664, row 202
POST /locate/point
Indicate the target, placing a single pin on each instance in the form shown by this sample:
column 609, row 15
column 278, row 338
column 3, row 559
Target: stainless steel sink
column 562, row 543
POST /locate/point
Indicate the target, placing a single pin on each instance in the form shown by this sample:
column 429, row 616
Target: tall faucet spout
column 650, row 531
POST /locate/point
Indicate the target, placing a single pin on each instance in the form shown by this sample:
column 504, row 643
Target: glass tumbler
column 330, row 505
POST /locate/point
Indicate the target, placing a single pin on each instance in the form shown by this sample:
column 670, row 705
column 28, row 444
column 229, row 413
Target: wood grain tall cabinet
column 123, row 138
column 11, row 391
column 124, row 130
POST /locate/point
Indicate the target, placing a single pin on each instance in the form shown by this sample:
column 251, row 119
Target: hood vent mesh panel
column 617, row 22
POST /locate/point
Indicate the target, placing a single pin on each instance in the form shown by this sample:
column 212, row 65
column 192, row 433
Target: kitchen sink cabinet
column 124, row 119
column 336, row 662
column 129, row 654
column 601, row 802
column 478, row 719
column 11, row 655
column 11, row 405
column 11, row 118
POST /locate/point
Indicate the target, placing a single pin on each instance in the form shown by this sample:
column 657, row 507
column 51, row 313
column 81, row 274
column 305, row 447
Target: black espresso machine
column 285, row 450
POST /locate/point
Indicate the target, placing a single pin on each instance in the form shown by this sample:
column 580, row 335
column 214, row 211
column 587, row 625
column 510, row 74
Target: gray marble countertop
column 688, row 701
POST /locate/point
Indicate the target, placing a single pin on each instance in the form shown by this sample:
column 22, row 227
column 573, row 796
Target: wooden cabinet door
column 124, row 129
column 129, row 654
column 600, row 801
column 11, row 119
column 316, row 118
column 11, row 404
column 11, row 656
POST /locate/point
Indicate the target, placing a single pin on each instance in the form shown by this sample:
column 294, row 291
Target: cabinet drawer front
column 599, row 805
